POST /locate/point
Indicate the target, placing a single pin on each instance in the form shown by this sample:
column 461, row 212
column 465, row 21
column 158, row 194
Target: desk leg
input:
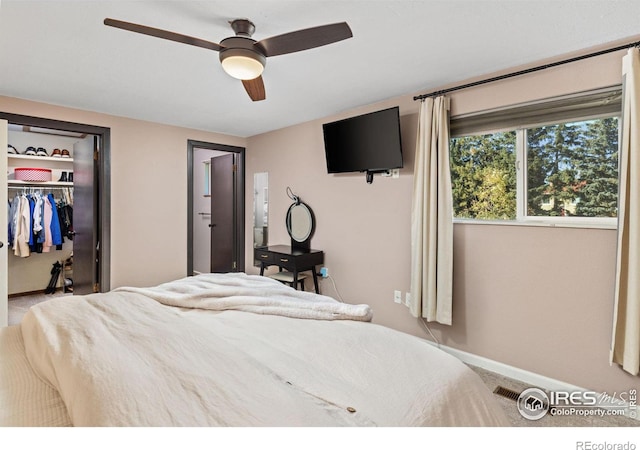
column 261, row 269
column 295, row 280
column 315, row 280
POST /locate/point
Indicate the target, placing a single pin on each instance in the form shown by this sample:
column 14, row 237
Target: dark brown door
column 85, row 216
column 223, row 216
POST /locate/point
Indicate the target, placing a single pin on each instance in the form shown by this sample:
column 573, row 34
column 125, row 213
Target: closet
column 40, row 165
column 87, row 158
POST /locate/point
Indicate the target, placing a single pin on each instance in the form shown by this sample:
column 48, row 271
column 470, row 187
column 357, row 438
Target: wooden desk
column 292, row 259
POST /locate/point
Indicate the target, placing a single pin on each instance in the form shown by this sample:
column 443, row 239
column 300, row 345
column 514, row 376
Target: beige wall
column 148, row 190
column 537, row 298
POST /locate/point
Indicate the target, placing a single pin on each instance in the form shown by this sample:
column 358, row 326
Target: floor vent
column 508, row 393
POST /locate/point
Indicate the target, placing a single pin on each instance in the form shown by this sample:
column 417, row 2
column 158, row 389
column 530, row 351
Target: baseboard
column 524, row 376
column 22, row 294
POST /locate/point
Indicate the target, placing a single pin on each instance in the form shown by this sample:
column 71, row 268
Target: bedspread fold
column 250, row 293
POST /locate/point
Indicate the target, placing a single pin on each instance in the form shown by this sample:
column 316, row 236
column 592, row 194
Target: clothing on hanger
column 37, row 222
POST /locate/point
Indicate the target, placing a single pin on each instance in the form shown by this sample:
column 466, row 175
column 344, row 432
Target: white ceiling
column 60, row 52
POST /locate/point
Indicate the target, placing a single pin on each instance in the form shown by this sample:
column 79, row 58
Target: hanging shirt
column 13, row 219
column 37, row 213
column 48, row 215
column 66, row 220
column 32, row 204
column 38, row 225
column 56, row 236
column 21, row 245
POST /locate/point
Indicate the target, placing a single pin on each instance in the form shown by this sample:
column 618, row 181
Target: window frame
column 608, row 104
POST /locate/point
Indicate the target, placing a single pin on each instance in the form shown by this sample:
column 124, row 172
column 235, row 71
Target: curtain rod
column 525, row 71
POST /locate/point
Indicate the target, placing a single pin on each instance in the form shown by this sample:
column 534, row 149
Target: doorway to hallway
column 215, row 236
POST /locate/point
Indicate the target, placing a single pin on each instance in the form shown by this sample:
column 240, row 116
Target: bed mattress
column 127, row 358
column 25, row 400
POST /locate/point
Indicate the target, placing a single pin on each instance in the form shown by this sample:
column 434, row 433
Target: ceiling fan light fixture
column 243, row 57
column 243, row 64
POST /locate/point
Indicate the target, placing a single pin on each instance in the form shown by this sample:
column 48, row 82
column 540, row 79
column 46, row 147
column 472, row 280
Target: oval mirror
column 300, row 223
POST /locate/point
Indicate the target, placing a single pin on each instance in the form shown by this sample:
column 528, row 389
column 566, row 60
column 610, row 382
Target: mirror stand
column 300, row 223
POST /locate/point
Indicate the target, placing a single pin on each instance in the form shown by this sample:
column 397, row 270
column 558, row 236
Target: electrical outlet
column 324, row 272
column 407, row 298
column 397, row 296
column 391, row 173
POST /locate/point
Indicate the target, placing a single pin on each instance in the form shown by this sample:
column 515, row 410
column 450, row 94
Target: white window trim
column 608, row 223
column 521, row 175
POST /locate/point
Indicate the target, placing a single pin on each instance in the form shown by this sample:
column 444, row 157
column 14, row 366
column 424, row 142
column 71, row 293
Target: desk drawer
column 263, row 256
column 284, row 260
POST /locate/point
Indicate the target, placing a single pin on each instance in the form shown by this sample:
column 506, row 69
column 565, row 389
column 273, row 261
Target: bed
column 227, row 350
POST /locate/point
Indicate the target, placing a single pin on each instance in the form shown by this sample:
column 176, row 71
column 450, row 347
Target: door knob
column 211, row 225
column 1, row 244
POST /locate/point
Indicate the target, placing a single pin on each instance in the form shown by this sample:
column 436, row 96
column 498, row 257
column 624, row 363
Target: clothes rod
column 43, row 188
column 526, row 71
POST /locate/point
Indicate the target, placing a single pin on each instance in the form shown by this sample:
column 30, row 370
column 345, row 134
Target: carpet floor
column 18, row 306
column 493, row 380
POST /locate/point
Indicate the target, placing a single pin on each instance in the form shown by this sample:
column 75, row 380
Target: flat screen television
column 368, row 143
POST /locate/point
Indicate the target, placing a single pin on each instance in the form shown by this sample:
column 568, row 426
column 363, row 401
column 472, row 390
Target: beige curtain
column 626, row 322
column 432, row 216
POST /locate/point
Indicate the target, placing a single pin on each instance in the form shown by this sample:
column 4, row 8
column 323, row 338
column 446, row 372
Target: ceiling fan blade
column 255, row 89
column 304, row 39
column 163, row 34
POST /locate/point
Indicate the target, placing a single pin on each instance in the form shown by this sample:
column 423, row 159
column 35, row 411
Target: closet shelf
column 40, row 158
column 39, row 183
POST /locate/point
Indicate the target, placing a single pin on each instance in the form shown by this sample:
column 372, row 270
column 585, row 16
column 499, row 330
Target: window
column 572, row 169
column 483, row 176
column 553, row 171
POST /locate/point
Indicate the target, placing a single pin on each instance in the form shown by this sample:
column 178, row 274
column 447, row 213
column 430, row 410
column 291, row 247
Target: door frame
column 104, row 182
column 4, row 238
column 239, row 198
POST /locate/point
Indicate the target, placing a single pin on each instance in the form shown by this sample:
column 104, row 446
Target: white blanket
column 251, row 293
column 123, row 359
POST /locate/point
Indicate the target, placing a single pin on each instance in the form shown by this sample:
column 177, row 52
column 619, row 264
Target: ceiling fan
column 241, row 56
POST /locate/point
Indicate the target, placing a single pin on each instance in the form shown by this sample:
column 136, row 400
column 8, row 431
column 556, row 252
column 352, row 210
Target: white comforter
column 124, row 359
column 251, row 293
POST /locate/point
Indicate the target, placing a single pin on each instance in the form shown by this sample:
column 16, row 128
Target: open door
column 223, row 217
column 4, row 245
column 85, row 216
column 225, row 194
